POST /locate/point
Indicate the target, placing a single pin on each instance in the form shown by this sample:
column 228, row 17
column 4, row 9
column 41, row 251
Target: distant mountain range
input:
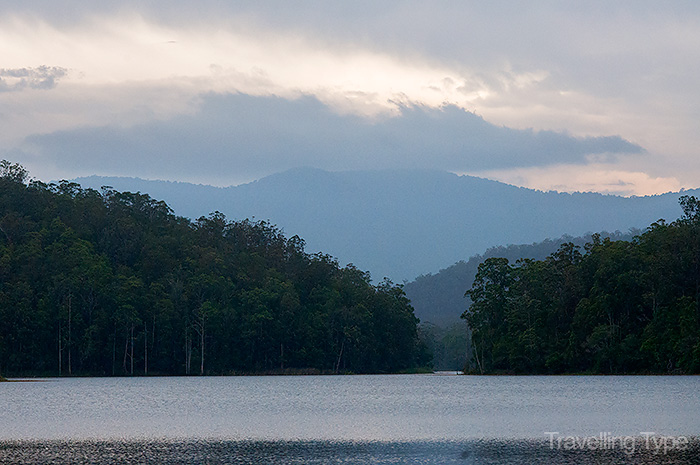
column 402, row 224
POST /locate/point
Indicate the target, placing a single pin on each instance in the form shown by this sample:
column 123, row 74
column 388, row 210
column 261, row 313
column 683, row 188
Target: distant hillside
column 402, row 224
column 439, row 298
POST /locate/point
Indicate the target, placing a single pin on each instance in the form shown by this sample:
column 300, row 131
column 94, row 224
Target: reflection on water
column 350, row 408
column 408, row 419
column 475, row 452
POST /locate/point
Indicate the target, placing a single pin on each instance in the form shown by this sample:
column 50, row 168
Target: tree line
column 113, row 283
column 613, row 307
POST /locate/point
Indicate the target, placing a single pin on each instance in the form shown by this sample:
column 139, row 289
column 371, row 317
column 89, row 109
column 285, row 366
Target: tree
column 486, row 316
column 691, row 207
column 13, row 172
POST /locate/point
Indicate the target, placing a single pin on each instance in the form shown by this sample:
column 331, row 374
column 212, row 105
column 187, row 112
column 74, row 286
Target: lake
column 352, row 419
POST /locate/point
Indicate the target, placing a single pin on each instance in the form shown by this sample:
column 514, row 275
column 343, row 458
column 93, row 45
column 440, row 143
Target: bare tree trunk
column 132, row 348
column 114, row 350
column 340, row 356
column 153, row 333
column 126, row 353
column 60, row 350
column 70, row 342
column 200, row 327
column 188, row 353
column 478, row 362
column 201, row 338
column 145, row 348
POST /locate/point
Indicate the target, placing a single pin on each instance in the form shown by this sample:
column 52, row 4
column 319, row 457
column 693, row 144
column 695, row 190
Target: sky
column 554, row 95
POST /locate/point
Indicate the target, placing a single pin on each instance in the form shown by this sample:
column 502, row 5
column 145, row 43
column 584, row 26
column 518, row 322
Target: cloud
column 565, row 69
column 240, row 137
column 129, row 48
column 595, row 177
column 42, row 77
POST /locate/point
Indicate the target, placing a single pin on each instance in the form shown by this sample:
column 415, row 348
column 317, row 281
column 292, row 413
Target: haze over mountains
column 404, row 223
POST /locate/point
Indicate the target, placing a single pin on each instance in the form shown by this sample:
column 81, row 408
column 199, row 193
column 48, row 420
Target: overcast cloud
column 258, row 135
column 569, row 95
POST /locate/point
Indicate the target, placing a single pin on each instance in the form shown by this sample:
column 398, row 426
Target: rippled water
column 475, row 452
column 458, row 418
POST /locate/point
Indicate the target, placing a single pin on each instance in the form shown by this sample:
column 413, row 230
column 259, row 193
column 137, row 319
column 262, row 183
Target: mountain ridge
column 404, row 223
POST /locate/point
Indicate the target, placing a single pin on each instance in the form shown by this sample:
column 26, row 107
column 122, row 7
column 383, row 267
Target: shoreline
column 29, row 379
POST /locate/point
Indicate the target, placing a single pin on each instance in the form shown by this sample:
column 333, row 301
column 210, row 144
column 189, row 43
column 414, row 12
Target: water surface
column 400, row 407
column 422, row 419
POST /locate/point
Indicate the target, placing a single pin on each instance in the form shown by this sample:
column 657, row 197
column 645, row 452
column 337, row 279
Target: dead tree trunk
column 145, row 348
column 201, row 360
column 340, row 356
column 200, row 328
column 70, row 341
column 132, row 348
column 60, row 351
column 188, row 352
column 114, row 351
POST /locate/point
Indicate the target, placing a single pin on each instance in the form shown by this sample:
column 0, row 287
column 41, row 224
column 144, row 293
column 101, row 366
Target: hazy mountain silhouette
column 403, row 223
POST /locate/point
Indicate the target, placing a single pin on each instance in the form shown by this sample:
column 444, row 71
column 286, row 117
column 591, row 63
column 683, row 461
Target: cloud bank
column 240, row 137
column 395, row 81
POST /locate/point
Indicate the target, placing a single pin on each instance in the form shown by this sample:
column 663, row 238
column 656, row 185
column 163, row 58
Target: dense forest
column 439, row 300
column 113, row 283
column 613, row 307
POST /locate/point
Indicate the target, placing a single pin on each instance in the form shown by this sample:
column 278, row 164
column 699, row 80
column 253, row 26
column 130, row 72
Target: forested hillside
column 613, row 307
column 439, row 298
column 112, row 283
column 404, row 223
